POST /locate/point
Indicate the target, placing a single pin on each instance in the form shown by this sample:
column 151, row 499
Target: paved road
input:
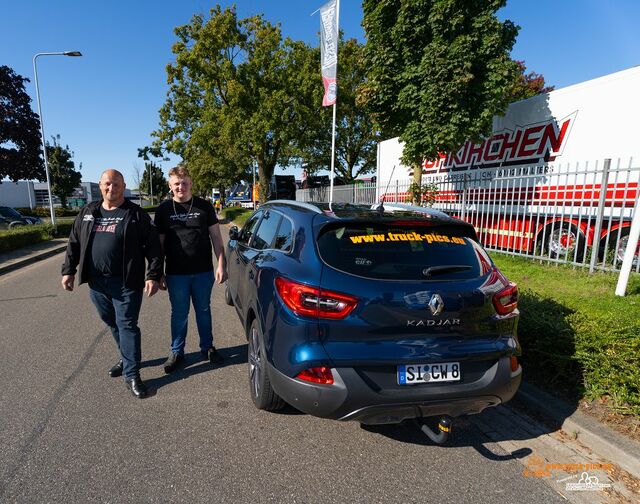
column 70, row 433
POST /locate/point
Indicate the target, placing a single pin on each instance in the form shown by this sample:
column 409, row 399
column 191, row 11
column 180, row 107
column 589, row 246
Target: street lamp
column 44, row 148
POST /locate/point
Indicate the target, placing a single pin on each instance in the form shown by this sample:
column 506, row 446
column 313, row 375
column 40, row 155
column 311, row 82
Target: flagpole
column 333, row 129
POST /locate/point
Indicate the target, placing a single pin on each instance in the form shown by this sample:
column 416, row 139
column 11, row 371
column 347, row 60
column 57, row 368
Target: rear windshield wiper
column 441, row 270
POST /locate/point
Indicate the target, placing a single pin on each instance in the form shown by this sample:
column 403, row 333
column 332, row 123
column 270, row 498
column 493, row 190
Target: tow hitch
column 444, row 429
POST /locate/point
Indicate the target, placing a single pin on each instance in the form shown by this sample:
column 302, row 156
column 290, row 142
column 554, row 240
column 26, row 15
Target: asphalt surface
column 70, row 433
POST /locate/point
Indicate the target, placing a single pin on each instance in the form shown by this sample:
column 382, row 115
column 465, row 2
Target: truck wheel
column 617, row 248
column 262, row 395
column 561, row 241
column 227, row 294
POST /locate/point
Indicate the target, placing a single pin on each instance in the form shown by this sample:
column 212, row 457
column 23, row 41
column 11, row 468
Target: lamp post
column 44, row 148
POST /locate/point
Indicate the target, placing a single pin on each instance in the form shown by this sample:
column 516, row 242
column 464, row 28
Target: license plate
column 413, row 374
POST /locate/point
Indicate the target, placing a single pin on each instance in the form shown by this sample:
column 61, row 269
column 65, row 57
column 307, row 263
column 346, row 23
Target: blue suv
column 377, row 315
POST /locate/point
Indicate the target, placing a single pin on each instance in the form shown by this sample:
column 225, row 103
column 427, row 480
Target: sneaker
column 173, row 362
column 213, row 356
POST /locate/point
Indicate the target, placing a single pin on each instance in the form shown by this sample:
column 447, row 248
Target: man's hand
column 221, row 274
column 162, row 284
column 67, row 282
column 150, row 287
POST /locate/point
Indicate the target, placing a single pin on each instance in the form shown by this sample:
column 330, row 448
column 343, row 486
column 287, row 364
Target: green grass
column 236, row 215
column 579, row 339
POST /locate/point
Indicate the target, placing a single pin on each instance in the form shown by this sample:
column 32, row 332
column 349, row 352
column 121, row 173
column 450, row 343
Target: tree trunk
column 417, row 179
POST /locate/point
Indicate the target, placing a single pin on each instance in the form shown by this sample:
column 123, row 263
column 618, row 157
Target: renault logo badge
column 436, row 304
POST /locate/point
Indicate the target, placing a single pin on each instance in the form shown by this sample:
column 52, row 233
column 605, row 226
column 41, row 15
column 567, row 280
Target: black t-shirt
column 185, row 226
column 107, row 243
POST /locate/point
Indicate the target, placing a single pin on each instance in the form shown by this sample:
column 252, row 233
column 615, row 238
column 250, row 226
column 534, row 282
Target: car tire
column 227, row 294
column 262, row 394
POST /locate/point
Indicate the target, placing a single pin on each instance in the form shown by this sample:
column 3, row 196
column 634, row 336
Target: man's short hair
column 180, row 172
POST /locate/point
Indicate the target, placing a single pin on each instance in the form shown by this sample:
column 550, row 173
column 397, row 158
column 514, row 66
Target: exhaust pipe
column 444, row 429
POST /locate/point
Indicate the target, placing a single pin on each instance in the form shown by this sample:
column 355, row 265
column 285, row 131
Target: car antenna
column 380, row 207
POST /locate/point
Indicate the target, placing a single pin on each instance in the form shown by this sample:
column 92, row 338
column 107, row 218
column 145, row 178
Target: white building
column 28, row 194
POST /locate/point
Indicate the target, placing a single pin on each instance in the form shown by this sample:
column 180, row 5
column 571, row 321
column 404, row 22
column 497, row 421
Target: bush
column 578, row 338
column 45, row 212
column 150, row 209
column 28, row 235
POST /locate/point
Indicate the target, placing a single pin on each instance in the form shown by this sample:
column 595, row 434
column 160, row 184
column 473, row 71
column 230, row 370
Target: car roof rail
column 301, row 204
column 403, row 207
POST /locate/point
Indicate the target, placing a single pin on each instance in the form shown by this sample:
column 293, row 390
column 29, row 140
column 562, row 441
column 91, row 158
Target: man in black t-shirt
column 187, row 226
column 109, row 242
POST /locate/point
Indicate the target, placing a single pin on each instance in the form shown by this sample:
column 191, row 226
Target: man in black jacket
column 109, row 242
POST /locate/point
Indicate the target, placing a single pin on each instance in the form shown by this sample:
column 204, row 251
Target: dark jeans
column 119, row 308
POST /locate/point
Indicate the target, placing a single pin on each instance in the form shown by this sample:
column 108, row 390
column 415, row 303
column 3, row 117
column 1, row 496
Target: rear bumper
column 352, row 398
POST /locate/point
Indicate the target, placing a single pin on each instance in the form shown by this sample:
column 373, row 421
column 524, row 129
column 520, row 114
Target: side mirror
column 234, row 233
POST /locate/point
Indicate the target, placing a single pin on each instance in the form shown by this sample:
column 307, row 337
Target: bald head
column 112, row 188
column 110, row 173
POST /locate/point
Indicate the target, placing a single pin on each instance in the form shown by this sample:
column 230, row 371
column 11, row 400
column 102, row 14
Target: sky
column 105, row 104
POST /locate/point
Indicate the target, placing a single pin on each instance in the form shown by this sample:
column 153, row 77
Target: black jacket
column 140, row 241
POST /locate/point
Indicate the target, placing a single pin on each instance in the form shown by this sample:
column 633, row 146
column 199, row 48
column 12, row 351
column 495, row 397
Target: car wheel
column 227, row 294
column 262, row 394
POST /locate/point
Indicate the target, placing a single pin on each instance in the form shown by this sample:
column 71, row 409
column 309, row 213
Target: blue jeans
column 119, row 308
column 182, row 289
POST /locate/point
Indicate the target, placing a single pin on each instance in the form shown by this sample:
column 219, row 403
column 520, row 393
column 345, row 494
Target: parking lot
column 70, row 433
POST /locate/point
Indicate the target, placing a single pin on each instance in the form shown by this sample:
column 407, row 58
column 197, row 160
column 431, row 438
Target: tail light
column 506, row 300
column 308, row 301
column 320, row 375
column 513, row 362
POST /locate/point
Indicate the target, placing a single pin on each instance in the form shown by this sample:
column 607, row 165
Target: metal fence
column 554, row 212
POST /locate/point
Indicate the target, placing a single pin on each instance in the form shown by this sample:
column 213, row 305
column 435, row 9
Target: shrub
column 28, row 235
column 578, row 338
column 45, row 212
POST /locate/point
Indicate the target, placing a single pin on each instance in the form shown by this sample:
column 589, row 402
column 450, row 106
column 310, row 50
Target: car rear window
column 391, row 251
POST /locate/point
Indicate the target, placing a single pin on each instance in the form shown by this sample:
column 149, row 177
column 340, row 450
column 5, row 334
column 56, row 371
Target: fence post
column 632, row 244
column 599, row 215
column 464, row 196
column 396, row 197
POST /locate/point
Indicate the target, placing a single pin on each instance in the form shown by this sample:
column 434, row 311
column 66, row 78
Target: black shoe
column 116, row 370
column 173, row 362
column 137, row 387
column 213, row 356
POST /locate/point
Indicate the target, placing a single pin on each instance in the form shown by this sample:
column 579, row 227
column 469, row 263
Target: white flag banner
column 329, row 51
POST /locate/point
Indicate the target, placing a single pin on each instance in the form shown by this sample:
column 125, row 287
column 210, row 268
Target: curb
column 31, row 259
column 600, row 438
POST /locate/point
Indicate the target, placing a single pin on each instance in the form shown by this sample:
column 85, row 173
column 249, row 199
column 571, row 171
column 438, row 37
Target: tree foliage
column 355, row 136
column 439, row 70
column 239, row 94
column 20, row 147
column 152, row 182
column 527, row 84
column 64, row 178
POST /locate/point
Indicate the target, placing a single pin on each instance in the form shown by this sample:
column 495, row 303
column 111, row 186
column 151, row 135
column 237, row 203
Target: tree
column 527, row 84
column 20, row 147
column 64, row 178
column 239, row 94
column 152, row 182
column 355, row 136
column 439, row 70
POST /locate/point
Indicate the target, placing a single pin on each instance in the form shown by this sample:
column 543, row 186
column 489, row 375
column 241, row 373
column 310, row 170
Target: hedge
column 45, row 212
column 28, row 235
column 579, row 339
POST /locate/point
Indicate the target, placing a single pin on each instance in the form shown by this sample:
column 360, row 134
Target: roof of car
column 349, row 211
